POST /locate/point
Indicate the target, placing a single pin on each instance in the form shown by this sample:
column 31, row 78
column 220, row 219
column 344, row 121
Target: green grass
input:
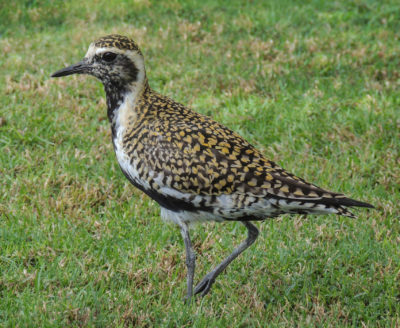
column 314, row 84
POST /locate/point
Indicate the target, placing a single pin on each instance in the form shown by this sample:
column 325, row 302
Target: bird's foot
column 205, row 284
column 188, row 299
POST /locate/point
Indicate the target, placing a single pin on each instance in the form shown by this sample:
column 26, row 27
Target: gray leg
column 190, row 259
column 205, row 284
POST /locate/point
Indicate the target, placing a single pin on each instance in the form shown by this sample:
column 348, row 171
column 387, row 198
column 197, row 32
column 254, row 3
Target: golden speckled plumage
column 194, row 167
column 199, row 156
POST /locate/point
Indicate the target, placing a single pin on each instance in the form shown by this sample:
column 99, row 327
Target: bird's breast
column 128, row 162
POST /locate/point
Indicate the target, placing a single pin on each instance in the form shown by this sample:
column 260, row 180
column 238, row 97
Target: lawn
column 314, row 84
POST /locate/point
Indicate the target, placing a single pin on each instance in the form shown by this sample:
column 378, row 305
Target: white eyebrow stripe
column 93, row 51
column 102, row 50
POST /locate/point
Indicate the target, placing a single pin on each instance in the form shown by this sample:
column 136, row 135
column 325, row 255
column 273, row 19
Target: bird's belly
column 189, row 217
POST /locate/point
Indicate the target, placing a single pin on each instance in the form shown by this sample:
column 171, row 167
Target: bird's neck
column 122, row 100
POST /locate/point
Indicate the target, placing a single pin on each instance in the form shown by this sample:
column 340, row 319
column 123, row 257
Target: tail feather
column 342, row 201
column 340, row 204
column 323, row 205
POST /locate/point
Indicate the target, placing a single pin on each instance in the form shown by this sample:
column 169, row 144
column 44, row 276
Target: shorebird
column 194, row 167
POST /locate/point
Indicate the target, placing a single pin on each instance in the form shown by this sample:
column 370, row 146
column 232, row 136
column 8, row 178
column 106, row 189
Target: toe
column 207, row 288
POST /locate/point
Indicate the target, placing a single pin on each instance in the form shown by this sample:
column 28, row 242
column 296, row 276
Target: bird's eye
column 109, row 56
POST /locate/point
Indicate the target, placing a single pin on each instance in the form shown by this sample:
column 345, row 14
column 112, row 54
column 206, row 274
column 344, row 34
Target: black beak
column 79, row 68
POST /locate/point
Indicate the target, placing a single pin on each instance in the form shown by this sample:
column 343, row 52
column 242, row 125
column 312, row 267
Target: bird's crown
column 117, row 41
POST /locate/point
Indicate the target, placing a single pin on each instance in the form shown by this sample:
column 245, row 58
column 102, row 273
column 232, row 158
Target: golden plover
column 194, row 167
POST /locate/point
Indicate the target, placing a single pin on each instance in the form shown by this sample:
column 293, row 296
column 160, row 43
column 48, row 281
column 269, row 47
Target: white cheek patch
column 138, row 60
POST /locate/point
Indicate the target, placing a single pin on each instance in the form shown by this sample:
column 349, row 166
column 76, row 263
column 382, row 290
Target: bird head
column 114, row 59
